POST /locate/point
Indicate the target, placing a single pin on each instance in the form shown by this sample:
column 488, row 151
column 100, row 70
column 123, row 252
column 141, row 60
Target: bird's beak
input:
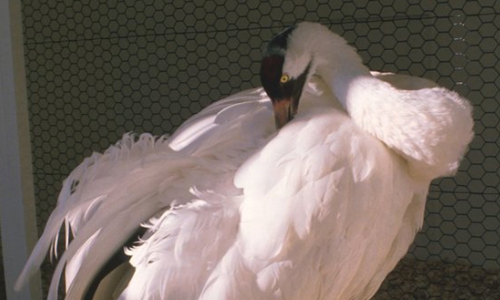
column 284, row 95
column 283, row 112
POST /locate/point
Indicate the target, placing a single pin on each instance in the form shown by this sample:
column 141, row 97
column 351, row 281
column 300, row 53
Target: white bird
column 232, row 208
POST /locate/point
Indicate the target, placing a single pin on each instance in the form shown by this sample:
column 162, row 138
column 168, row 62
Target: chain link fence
column 98, row 69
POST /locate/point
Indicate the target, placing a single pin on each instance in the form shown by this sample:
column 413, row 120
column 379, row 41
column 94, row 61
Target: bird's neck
column 343, row 71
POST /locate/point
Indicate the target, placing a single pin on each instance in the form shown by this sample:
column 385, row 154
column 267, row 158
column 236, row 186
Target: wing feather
column 109, row 195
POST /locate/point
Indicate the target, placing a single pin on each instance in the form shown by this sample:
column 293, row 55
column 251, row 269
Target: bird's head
column 284, row 71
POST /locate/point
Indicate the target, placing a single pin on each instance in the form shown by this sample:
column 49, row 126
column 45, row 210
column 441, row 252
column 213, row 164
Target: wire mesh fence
column 98, row 69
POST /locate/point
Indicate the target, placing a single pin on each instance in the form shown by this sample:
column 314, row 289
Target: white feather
column 133, row 181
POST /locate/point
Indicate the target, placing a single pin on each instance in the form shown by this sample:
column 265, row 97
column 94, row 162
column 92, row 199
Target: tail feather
column 102, row 189
column 118, row 259
column 108, row 238
column 114, row 221
column 110, row 194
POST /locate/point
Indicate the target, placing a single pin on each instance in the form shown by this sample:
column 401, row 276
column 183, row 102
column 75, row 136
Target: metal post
column 17, row 210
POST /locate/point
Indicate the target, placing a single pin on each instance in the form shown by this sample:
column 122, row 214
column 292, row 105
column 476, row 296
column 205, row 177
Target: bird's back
column 313, row 198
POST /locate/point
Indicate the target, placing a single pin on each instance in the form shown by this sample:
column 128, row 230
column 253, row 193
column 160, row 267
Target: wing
column 250, row 111
column 107, row 198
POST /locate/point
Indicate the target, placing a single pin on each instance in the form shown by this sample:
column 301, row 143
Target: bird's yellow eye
column 284, row 78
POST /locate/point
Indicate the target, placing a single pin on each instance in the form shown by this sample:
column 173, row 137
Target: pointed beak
column 283, row 112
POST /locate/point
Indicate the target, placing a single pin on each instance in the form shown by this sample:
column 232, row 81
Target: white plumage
column 322, row 208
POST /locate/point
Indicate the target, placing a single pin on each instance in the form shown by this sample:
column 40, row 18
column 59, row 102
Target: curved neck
column 340, row 68
column 343, row 82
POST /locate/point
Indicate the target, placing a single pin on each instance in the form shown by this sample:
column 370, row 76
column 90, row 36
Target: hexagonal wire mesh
column 98, row 69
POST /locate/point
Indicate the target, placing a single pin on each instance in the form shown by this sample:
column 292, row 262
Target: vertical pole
column 17, row 209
